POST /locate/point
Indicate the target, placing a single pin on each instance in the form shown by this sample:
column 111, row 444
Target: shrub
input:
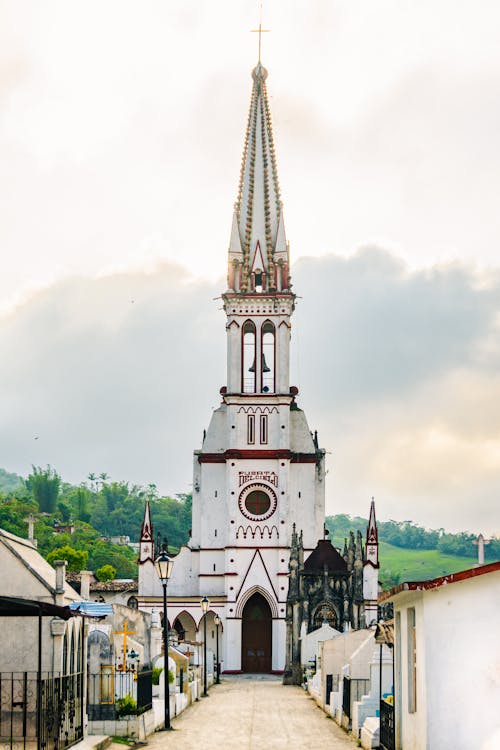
column 156, row 675
column 126, row 706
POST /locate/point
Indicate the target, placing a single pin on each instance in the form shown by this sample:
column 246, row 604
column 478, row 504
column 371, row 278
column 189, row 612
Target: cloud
column 398, row 370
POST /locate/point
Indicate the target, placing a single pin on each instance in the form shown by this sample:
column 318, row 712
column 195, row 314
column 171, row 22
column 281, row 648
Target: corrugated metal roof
column 92, row 609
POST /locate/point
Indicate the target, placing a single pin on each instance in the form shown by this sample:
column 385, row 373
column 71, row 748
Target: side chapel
column 259, row 474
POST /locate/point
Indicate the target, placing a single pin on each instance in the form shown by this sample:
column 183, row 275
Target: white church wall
column 279, row 644
column 232, row 646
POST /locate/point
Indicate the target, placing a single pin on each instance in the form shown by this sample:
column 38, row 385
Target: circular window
column 257, row 502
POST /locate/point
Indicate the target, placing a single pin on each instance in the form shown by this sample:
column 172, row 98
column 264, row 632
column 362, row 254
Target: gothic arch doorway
column 256, row 635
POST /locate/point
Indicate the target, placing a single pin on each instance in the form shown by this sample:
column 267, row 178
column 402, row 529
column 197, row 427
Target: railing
column 353, row 690
column 108, row 686
column 45, row 711
column 387, row 734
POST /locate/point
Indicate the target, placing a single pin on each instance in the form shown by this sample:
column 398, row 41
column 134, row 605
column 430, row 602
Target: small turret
column 372, row 537
column 146, row 543
column 370, row 569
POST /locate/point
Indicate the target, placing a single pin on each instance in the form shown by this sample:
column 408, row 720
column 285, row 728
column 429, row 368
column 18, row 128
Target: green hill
column 398, row 565
column 101, row 509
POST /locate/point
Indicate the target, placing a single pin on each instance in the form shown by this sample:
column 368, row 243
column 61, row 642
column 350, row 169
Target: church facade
column 259, row 473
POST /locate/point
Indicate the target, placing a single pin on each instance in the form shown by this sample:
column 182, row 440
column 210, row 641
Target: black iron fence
column 46, row 710
column 387, row 734
column 353, row 690
column 110, row 691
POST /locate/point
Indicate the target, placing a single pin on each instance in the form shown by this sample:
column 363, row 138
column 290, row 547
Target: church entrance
column 256, row 635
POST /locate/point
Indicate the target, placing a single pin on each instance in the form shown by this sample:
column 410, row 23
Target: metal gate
column 46, row 711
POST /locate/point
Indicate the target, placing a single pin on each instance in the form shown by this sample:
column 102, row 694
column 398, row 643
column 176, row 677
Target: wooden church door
column 256, row 635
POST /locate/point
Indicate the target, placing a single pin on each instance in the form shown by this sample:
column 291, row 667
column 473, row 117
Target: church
column 259, row 476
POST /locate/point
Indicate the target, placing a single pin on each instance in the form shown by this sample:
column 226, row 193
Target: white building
column 447, row 661
column 259, row 468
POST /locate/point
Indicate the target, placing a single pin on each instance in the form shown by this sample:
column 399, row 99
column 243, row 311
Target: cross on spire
column 260, row 31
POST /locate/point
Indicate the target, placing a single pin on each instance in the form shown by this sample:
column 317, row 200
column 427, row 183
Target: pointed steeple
column 146, row 542
column 372, row 530
column 258, row 252
column 372, row 537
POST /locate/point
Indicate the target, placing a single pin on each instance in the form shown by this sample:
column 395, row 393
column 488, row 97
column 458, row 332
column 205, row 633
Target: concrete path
column 253, row 712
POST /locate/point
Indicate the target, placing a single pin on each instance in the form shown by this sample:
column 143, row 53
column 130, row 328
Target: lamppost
column 205, row 604
column 217, row 623
column 164, row 565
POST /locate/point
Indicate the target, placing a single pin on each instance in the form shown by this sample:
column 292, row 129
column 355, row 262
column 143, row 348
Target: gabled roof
column 27, row 554
column 325, row 554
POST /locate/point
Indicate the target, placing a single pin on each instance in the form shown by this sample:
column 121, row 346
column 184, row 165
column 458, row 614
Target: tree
column 105, row 573
column 79, row 499
column 44, row 486
column 76, row 558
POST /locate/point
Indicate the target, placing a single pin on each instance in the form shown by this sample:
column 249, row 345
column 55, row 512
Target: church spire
column 146, row 543
column 258, row 251
column 372, row 537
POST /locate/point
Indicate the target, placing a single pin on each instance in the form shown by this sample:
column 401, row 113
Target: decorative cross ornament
column 260, row 30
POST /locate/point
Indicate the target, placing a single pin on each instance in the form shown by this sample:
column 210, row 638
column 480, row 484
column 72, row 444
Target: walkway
column 253, row 712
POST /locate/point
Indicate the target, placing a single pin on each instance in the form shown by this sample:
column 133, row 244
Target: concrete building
column 26, row 574
column 447, row 656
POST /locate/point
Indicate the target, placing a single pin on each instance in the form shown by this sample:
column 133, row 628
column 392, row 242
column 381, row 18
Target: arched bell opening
column 268, row 350
column 256, row 635
column 249, row 369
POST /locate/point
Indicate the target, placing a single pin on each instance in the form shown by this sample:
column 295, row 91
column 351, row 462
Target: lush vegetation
column 410, row 552
column 78, row 523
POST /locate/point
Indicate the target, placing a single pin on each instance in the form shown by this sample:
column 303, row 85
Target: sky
column 121, row 134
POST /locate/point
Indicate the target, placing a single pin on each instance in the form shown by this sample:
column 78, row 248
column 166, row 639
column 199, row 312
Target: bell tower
column 259, row 470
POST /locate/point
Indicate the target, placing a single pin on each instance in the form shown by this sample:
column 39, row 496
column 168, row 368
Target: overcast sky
column 121, row 132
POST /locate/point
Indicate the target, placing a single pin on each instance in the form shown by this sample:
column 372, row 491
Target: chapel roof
column 323, row 555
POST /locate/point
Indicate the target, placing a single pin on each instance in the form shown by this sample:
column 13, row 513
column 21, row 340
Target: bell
column 265, row 368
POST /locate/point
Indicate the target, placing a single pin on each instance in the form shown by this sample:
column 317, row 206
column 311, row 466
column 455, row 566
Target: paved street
column 253, row 712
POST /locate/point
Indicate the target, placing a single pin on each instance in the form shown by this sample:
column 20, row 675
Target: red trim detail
column 277, row 671
column 436, row 583
column 232, row 671
column 282, row 574
column 220, row 458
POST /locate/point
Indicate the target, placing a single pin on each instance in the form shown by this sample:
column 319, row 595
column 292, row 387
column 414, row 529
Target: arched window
column 249, row 369
column 268, row 357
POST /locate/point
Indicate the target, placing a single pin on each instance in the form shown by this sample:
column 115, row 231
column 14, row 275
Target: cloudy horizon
column 398, row 370
column 121, row 133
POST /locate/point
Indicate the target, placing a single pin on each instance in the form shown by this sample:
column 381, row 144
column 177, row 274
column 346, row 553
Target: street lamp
column 205, row 604
column 164, row 565
column 217, row 623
